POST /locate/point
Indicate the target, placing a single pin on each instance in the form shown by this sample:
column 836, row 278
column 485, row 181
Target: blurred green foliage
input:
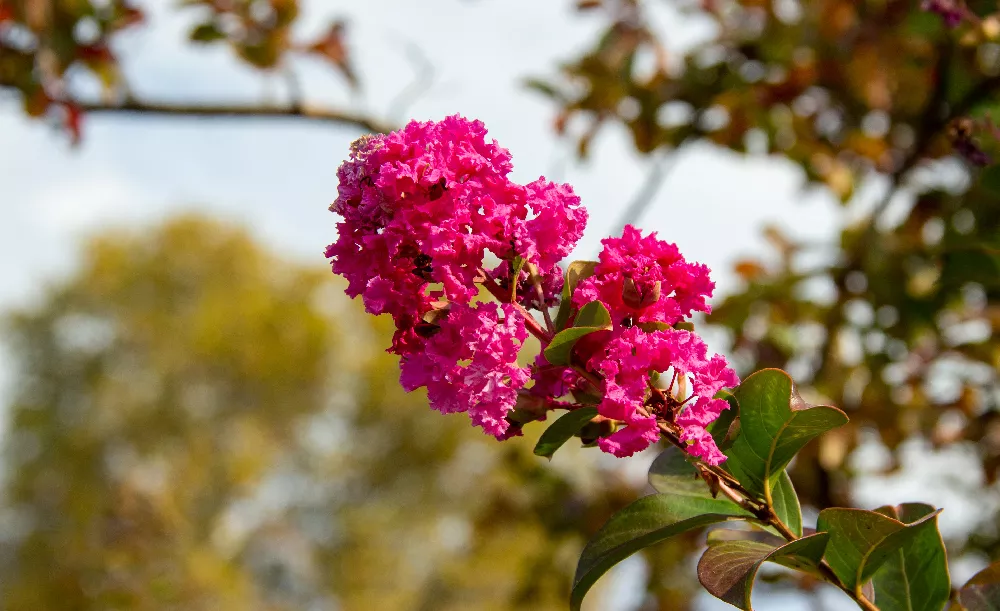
column 197, row 424
column 842, row 88
column 896, row 319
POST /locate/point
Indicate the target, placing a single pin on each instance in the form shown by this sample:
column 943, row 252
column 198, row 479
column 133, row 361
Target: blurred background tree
column 174, row 444
column 889, row 109
column 198, row 424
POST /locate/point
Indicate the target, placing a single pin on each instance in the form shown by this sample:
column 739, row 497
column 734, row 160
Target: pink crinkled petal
column 701, row 444
column 638, row 435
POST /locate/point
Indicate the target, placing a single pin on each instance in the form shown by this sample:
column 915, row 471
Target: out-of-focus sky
column 279, row 177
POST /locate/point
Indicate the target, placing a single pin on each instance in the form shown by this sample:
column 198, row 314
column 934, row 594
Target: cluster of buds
column 423, row 211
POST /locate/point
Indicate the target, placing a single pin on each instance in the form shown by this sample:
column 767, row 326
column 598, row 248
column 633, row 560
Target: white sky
column 279, row 177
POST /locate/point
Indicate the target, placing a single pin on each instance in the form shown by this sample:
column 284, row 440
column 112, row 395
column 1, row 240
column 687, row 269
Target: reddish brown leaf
column 332, row 46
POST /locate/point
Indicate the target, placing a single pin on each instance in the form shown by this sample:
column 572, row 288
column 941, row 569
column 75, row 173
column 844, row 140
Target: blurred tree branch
column 238, row 111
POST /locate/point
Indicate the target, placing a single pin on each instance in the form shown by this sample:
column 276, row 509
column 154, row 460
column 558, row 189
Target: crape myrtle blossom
column 644, row 279
column 425, row 207
column 421, row 207
column 647, row 285
column 424, row 204
column 486, row 387
column 625, row 364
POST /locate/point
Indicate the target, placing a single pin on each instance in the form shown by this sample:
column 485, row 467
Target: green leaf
column 861, row 541
column 982, row 592
column 720, row 427
column 562, row 430
column 206, row 33
column 784, row 499
column 774, row 424
column 785, row 503
column 672, row 473
column 914, row 577
column 970, row 262
column 649, row 520
column 591, row 317
column 575, row 272
column 518, row 265
column 727, row 569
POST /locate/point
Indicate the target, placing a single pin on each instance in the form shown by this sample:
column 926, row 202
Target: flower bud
column 638, row 296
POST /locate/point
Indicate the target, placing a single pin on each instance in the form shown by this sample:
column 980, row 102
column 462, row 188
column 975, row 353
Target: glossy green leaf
column 671, row 473
column 728, row 568
column 591, row 317
column 786, row 503
column 575, row 272
column 862, row 541
column 982, row 592
column 721, row 428
column 649, row 520
column 914, row 577
column 562, row 314
column 563, row 429
column 774, row 424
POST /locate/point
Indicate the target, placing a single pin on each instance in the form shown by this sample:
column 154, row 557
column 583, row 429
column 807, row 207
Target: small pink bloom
column 424, row 204
column 486, row 387
column 626, row 361
column 637, row 436
column 645, row 279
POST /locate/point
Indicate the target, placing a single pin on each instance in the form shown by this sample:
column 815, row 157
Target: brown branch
column 237, row 111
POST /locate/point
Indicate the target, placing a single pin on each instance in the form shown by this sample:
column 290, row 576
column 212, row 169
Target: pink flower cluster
column 646, row 280
column 486, row 387
column 626, row 362
column 421, row 208
column 646, row 285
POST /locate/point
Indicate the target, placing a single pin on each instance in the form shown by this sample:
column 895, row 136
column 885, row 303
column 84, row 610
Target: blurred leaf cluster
column 44, row 41
column 842, row 88
column 896, row 318
column 46, row 46
column 260, row 32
